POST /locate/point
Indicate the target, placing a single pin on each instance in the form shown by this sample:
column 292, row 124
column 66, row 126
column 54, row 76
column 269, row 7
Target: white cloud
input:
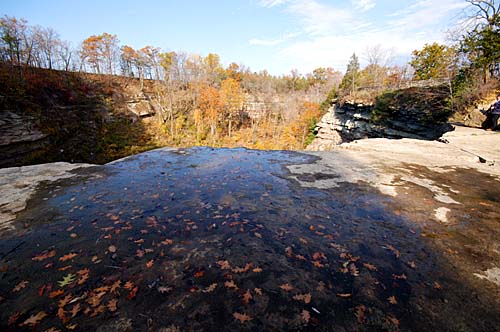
column 331, row 33
column 364, row 5
column 272, row 3
column 272, row 42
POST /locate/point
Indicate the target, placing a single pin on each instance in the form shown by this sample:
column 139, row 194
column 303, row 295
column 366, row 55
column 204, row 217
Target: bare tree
column 486, row 13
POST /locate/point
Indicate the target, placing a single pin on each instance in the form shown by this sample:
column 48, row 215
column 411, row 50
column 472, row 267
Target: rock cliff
column 353, row 121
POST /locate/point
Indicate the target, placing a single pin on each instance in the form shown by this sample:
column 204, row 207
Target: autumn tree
column 13, row 32
column 232, row 99
column 212, row 68
column 210, row 104
column 100, row 52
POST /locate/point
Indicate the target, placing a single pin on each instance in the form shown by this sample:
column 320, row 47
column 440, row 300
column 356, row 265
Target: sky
column 275, row 35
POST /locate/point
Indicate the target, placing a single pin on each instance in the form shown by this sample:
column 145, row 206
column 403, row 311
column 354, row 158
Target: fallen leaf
column 149, row 264
column 437, row 285
column 258, row 291
column 393, row 320
column 44, row 255
column 61, row 314
column 319, row 256
column 34, row 319
column 74, row 310
column 257, row 235
column 305, row 315
column 112, row 248
column 392, row 300
column 242, row 318
column 128, row 285
column 344, row 295
column 394, row 250
column 257, row 270
column 56, row 293
column 244, row 269
column 360, row 313
column 67, row 257
column 224, row 265
column 112, row 305
column 132, row 293
column 164, row 289
column 115, row 286
column 13, row 318
column 286, row 287
column 210, row 288
column 231, row 284
column 68, row 279
column 64, row 301
column 370, row 267
column 199, row 274
column 71, row 326
column 318, row 264
column 303, row 297
column 247, row 297
column 20, row 286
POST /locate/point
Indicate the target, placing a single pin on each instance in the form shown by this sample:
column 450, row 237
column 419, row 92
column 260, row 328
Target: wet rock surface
column 232, row 239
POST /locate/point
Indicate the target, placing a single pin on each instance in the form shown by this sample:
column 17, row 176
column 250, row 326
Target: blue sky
column 277, row 35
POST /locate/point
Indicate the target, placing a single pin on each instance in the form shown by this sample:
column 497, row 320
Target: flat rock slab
column 358, row 239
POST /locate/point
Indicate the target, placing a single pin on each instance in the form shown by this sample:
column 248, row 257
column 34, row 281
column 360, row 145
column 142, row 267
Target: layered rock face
column 356, row 121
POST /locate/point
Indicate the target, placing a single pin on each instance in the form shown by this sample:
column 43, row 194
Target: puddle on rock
column 223, row 240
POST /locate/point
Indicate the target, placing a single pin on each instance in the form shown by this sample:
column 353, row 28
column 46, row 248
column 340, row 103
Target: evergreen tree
column 351, row 78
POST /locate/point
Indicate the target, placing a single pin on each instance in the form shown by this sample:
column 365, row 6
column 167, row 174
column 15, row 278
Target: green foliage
column 432, row 61
column 428, row 105
column 350, row 82
column 332, row 95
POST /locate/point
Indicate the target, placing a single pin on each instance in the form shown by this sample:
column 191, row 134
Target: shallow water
column 225, row 240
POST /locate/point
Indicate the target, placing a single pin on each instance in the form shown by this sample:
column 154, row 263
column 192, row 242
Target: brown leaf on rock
column 34, row 320
column 61, row 314
column 112, row 305
column 112, row 248
column 319, row 256
column 247, row 297
column 66, row 257
column 64, row 301
column 115, row 286
column 44, row 255
column 394, row 250
column 305, row 316
column 370, row 267
column 289, row 252
column 132, row 293
column 360, row 313
column 21, row 285
column 286, row 287
column 230, row 284
column 199, row 274
column 244, row 269
column 344, row 295
column 224, row 265
column 258, row 291
column 75, row 310
column 128, row 285
column 306, row 298
column 210, row 288
column 13, row 318
column 257, row 270
column 149, row 264
column 392, row 300
column 56, row 293
column 242, row 318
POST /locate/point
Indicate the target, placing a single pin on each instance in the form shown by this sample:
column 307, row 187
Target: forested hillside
column 101, row 100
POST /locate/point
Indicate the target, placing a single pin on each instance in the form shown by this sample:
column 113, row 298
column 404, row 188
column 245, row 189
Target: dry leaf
column 56, row 293
column 360, row 313
column 258, row 291
column 257, row 235
column 257, row 270
column 344, row 295
column 132, row 293
column 20, row 286
column 303, row 297
column 62, row 315
column 305, row 315
column 34, row 319
column 115, row 286
column 199, row 274
column 210, row 288
column 128, row 285
column 392, row 300
column 149, row 264
column 224, row 265
column 231, row 284
column 247, row 297
column 13, row 318
column 44, row 255
column 67, row 257
column 112, row 305
column 370, row 267
column 242, row 318
column 74, row 311
column 112, row 248
column 244, row 269
column 286, row 287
